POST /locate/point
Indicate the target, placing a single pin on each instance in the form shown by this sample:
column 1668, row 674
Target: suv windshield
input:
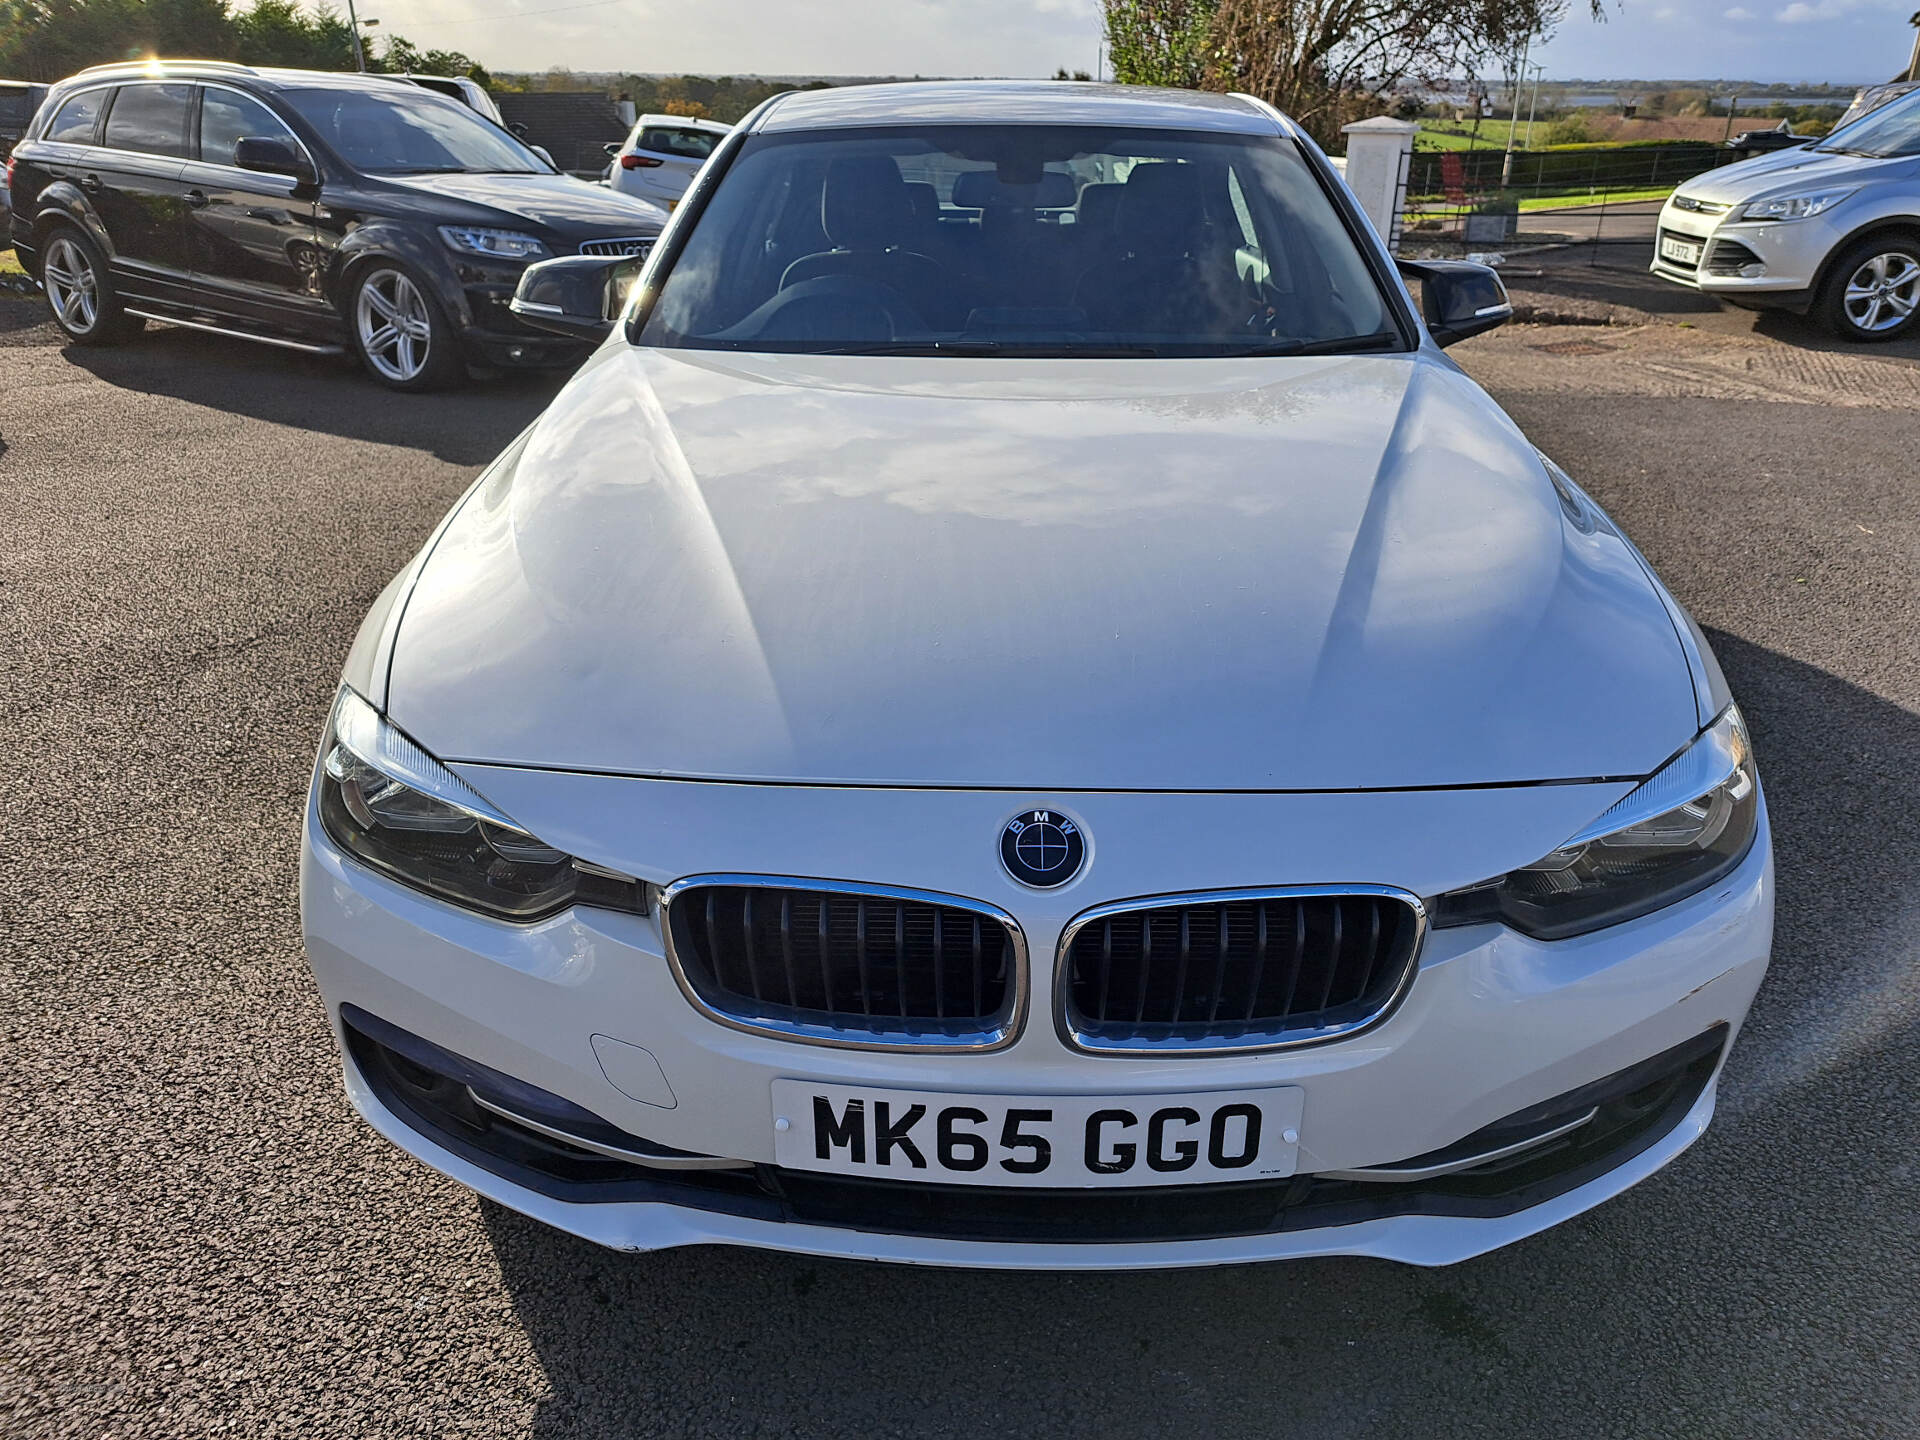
column 1021, row 240
column 1893, row 129
column 410, row 132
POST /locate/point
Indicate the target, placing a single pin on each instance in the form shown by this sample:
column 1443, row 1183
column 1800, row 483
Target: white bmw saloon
column 1019, row 711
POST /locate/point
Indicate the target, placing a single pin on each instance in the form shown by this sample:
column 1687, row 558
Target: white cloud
column 1801, row 13
column 1738, row 12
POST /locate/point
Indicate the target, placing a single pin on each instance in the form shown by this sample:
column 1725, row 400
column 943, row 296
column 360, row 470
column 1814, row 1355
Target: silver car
column 1830, row 230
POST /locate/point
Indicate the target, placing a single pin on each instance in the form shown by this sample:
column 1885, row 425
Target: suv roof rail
column 229, row 66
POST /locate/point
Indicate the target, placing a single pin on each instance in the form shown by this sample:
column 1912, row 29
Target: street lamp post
column 353, row 25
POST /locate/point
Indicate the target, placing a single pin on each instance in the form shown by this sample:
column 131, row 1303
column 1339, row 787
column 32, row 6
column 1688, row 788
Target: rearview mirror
column 272, row 157
column 1459, row 298
column 579, row 296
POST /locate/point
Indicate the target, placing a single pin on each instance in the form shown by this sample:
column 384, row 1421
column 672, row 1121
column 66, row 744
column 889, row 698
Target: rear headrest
column 1162, row 207
column 982, row 190
column 864, row 204
column 1099, row 206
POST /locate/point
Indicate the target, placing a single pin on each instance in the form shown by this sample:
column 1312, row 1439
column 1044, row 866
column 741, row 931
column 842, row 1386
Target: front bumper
column 1771, row 265
column 1493, row 1023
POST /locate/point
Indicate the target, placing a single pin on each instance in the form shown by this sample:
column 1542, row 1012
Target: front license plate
column 1683, row 252
column 1039, row 1140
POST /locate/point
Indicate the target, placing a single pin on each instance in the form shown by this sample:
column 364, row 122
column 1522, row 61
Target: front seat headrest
column 1162, row 208
column 864, row 204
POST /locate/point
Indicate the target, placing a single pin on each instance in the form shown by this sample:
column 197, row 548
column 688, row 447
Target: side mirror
column 519, row 131
column 579, row 296
column 272, row 157
column 545, row 155
column 1459, row 298
column 612, row 147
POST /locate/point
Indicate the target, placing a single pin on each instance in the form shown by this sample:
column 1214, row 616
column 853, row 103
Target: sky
column 1845, row 41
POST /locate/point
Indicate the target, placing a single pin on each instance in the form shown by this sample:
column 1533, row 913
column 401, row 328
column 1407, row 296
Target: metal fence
column 1596, row 196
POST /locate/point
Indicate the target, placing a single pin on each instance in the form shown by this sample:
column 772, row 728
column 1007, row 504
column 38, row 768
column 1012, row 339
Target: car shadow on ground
column 1697, row 1303
column 329, row 394
column 1620, row 277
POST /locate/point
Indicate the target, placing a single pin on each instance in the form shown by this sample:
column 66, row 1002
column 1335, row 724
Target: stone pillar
column 1377, row 152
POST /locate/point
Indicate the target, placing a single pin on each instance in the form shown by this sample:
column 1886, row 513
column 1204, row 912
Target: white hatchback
column 1019, row 712
column 661, row 155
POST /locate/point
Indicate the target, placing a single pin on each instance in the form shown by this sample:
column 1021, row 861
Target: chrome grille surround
column 737, row 1011
column 629, row 245
column 1230, row 1038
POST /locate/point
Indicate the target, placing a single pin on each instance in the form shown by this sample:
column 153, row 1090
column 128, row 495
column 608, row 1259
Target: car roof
column 1015, row 102
column 273, row 77
column 697, row 122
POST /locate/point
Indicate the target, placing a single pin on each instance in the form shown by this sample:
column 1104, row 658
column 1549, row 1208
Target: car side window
column 150, row 118
column 228, row 117
column 77, row 118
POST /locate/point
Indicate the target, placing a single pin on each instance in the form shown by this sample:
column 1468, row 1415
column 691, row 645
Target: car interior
column 992, row 239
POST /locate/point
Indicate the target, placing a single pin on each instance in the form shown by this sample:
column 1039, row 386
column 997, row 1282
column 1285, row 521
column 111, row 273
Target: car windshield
column 1893, row 129
column 411, row 132
column 1022, row 240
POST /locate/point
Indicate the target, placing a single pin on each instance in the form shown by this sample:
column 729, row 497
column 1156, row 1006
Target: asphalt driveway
column 198, row 1237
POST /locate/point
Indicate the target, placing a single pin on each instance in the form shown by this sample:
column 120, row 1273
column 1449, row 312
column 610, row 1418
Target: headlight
column 1685, row 828
column 386, row 802
column 1792, row 207
column 494, row 244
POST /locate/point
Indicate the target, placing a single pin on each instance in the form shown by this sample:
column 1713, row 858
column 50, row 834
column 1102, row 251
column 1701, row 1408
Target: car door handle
column 272, row 217
column 196, row 198
column 90, row 182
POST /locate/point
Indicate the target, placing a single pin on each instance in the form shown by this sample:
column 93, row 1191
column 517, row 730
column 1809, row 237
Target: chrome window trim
column 998, row 1037
column 54, row 114
column 299, row 144
column 1085, row 1044
column 148, row 82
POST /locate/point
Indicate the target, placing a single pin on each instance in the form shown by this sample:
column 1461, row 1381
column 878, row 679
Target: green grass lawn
column 1458, row 134
column 1583, row 197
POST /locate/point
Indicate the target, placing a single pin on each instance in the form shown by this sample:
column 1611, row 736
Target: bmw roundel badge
column 1042, row 848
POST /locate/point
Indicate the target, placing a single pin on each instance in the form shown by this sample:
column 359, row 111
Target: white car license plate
column 1059, row 1141
column 1683, row 252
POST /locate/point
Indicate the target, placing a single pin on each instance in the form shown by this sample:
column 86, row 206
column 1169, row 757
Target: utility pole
column 1533, row 101
column 353, row 24
column 1733, row 104
column 1513, row 111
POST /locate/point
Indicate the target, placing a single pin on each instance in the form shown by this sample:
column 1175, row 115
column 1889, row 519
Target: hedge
column 1634, row 166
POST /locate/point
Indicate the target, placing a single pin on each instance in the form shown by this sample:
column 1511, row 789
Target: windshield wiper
column 1348, row 345
column 1847, row 150
column 426, row 170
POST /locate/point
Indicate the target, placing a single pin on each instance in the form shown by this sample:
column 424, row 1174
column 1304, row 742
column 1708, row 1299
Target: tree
column 50, row 39
column 1160, row 42
column 1324, row 62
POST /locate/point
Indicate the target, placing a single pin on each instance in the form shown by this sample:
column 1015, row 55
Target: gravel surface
column 200, row 1238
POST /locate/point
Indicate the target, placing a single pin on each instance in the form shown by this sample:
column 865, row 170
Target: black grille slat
column 878, row 964
column 1254, row 968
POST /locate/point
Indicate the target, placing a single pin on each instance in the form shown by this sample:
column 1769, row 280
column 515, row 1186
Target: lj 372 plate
column 1058, row 1141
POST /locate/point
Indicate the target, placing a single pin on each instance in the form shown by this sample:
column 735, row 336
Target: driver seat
column 867, row 212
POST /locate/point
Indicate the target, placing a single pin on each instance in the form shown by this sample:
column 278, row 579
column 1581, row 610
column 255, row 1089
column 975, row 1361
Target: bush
column 1569, row 130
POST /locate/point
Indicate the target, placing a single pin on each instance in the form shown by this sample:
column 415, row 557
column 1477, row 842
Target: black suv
column 296, row 208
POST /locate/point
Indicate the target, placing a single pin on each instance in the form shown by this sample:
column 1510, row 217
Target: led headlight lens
column 388, row 803
column 1675, row 835
column 494, row 244
column 1793, row 207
